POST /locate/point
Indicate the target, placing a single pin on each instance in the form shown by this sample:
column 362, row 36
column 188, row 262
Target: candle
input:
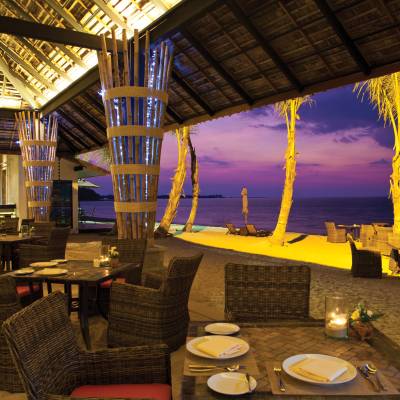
column 337, row 326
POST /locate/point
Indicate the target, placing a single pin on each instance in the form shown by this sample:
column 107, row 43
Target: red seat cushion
column 25, row 290
column 107, row 284
column 156, row 391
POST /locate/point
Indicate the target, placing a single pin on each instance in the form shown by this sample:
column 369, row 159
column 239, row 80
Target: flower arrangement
column 362, row 314
column 360, row 321
column 113, row 253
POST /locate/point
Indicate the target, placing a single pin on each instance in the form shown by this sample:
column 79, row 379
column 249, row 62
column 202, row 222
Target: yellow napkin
column 319, row 370
column 217, row 346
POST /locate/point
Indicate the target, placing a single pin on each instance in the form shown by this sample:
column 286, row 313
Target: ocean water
column 307, row 215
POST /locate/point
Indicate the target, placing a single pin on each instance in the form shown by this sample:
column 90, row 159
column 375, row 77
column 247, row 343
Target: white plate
column 24, row 271
column 191, row 347
column 347, row 376
column 222, row 328
column 232, row 383
column 59, row 261
column 52, row 272
column 43, row 264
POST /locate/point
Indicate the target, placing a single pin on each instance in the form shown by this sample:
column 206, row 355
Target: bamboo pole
column 194, row 167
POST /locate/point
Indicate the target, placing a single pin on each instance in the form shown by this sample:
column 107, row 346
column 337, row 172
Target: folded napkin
column 217, row 346
column 321, row 370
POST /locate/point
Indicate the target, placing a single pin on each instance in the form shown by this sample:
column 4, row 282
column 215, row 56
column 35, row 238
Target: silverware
column 248, row 382
column 206, row 368
column 374, row 371
column 278, row 373
column 364, row 372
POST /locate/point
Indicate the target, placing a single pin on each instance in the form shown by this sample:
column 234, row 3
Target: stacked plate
column 51, row 272
column 43, row 264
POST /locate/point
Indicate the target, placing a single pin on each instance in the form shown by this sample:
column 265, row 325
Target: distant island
column 87, row 194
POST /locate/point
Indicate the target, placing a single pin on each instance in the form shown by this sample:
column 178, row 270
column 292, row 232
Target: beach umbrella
column 245, row 204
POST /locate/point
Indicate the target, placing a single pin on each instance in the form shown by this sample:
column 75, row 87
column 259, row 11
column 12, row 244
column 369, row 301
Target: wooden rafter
column 86, row 116
column 344, row 36
column 191, row 92
column 67, row 132
column 55, row 5
column 79, row 127
column 254, row 32
column 216, row 65
column 171, row 112
column 111, row 13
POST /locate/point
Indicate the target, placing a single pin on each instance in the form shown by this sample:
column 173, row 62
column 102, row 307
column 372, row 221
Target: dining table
column 8, row 243
column 273, row 342
column 83, row 274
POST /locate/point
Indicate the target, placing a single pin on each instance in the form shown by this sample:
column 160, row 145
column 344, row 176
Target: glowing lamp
column 336, row 317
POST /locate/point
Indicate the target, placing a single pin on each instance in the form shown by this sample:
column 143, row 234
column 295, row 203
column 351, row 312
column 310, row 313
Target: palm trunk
column 194, row 166
column 395, row 192
column 182, row 136
column 290, row 166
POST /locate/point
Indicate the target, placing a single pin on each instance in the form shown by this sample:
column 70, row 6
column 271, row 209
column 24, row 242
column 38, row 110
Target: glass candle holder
column 336, row 317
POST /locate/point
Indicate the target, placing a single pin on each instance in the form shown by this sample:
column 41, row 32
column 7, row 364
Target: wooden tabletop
column 79, row 271
column 7, row 239
column 274, row 342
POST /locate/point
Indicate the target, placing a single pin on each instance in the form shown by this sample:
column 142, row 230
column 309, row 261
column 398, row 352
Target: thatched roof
column 233, row 55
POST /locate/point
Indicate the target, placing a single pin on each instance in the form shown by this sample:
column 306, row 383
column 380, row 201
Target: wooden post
column 135, row 118
column 38, row 142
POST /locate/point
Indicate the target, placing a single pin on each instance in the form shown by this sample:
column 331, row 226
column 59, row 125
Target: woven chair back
column 10, row 226
column 58, row 238
column 264, row 292
column 180, row 275
column 43, row 228
column 44, row 347
column 130, row 250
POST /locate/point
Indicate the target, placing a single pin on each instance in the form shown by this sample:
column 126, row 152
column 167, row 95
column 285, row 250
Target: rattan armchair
column 9, row 226
column 265, row 292
column 334, row 234
column 154, row 313
column 51, row 364
column 9, row 305
column 43, row 230
column 365, row 263
column 55, row 248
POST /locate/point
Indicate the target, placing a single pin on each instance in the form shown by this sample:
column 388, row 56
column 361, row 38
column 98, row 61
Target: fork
column 374, row 371
column 365, row 374
column 278, row 373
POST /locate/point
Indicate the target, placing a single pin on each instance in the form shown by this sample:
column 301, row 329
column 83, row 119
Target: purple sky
column 343, row 151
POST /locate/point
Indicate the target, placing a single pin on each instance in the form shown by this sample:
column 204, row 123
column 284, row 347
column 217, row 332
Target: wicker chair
column 43, row 229
column 130, row 251
column 232, row 229
column 9, row 305
column 335, row 235
column 55, row 248
column 382, row 239
column 9, row 226
column 253, row 231
column 365, row 263
column 51, row 363
column 263, row 292
column 394, row 261
column 154, row 313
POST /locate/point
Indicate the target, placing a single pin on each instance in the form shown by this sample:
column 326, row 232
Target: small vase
column 362, row 330
column 114, row 262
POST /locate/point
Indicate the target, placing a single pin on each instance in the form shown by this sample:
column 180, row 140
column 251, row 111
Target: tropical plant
column 182, row 137
column 194, row 173
column 384, row 94
column 288, row 109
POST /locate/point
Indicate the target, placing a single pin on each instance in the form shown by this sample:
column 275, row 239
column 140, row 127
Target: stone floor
column 207, row 295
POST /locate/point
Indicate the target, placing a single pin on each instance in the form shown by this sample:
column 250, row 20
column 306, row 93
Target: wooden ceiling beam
column 112, row 14
column 41, row 57
column 18, row 84
column 256, row 34
column 68, row 132
column 55, row 5
column 79, row 127
column 87, row 116
column 71, row 140
column 188, row 89
column 98, row 105
column 66, row 140
column 27, row 67
column 216, row 65
column 348, row 43
column 52, row 34
column 174, row 115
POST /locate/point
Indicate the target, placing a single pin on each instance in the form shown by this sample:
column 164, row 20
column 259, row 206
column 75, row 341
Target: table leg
column 68, row 292
column 7, row 257
column 49, row 288
column 83, row 313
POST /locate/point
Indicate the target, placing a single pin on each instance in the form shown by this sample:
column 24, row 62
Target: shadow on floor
column 297, row 239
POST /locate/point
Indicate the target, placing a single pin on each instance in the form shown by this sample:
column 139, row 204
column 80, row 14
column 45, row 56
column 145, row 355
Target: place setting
column 226, row 361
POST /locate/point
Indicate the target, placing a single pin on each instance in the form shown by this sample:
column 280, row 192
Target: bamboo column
column 135, row 105
column 38, row 142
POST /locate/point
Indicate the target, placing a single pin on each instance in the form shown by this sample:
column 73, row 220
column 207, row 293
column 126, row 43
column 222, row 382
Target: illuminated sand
column 298, row 247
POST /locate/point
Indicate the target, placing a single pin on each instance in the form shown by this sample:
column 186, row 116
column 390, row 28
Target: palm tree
column 194, row 169
column 182, row 137
column 384, row 94
column 288, row 109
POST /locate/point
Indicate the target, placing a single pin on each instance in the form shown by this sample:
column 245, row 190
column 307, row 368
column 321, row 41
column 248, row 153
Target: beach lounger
column 232, row 230
column 253, row 231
